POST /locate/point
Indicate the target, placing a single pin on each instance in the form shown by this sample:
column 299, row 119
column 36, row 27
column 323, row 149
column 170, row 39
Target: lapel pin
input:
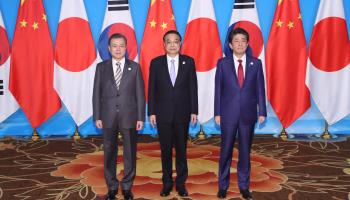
column 251, row 63
column 129, row 68
column 183, row 62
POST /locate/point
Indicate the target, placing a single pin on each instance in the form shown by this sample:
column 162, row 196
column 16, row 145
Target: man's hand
column 98, row 124
column 218, row 120
column 153, row 120
column 193, row 119
column 139, row 125
column 261, row 119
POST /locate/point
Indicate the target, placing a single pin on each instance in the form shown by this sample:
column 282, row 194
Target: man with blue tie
column 172, row 104
column 239, row 102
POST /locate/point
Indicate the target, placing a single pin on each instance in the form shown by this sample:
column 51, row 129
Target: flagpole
column 283, row 135
column 76, row 136
column 35, row 136
column 326, row 134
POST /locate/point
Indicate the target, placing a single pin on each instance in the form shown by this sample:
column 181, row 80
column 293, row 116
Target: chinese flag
column 286, row 58
column 160, row 19
column 31, row 76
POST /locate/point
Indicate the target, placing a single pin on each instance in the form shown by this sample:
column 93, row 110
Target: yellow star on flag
column 290, row 25
column 22, row 2
column 35, row 25
column 164, row 26
column 153, row 23
column 23, row 23
column 299, row 17
column 44, row 17
column 279, row 23
column 172, row 17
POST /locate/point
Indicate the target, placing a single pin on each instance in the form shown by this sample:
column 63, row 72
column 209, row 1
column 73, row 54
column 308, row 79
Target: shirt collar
column 176, row 58
column 122, row 62
column 243, row 58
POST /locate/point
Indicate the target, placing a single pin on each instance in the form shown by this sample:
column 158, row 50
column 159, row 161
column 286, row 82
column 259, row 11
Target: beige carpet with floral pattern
column 301, row 168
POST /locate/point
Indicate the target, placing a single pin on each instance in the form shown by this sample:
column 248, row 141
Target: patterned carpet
column 297, row 169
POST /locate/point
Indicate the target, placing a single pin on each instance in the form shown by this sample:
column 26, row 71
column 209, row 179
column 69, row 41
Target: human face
column 117, row 48
column 239, row 45
column 172, row 44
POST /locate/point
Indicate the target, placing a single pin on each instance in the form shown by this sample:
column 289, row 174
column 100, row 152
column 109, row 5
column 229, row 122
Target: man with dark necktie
column 239, row 91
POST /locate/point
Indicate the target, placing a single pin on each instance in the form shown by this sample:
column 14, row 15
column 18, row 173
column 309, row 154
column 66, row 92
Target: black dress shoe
column 128, row 195
column 246, row 194
column 165, row 191
column 111, row 195
column 182, row 192
column 221, row 194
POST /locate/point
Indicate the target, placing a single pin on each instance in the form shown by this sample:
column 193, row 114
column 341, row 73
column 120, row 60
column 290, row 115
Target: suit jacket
column 172, row 103
column 128, row 102
column 233, row 103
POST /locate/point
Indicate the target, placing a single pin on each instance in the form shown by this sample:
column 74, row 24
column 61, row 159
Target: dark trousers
column 110, row 148
column 245, row 138
column 173, row 134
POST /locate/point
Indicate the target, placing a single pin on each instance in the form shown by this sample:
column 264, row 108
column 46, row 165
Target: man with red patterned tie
column 239, row 90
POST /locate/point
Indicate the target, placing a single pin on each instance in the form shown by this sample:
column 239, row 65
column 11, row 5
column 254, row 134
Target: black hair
column 117, row 36
column 171, row 32
column 238, row 31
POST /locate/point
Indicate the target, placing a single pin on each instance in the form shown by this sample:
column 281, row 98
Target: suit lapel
column 166, row 69
column 233, row 71
column 181, row 70
column 247, row 69
column 127, row 68
column 110, row 72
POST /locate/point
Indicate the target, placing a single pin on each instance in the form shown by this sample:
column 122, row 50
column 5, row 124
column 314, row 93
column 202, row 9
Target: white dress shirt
column 244, row 60
column 176, row 58
column 114, row 64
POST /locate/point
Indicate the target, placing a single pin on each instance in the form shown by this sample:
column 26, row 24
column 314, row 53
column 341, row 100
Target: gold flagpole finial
column 152, row 2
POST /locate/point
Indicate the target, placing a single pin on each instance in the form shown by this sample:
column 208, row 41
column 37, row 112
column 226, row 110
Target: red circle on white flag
column 4, row 47
column 329, row 45
column 256, row 41
column 129, row 33
column 202, row 44
column 75, row 48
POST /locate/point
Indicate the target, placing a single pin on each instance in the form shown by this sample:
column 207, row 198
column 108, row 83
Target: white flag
column 118, row 20
column 328, row 66
column 8, row 104
column 202, row 42
column 75, row 57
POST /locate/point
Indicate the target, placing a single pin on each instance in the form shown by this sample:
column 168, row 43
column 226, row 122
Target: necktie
column 118, row 74
column 172, row 71
column 240, row 73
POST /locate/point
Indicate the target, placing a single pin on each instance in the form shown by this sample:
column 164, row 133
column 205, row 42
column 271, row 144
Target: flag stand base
column 326, row 135
column 284, row 135
column 35, row 136
column 76, row 136
column 201, row 135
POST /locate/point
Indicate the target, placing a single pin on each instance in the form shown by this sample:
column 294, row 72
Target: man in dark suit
column 172, row 104
column 239, row 90
column 119, row 105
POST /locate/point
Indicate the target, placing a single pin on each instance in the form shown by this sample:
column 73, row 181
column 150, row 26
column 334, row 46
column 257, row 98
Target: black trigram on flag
column 117, row 5
column 1, row 87
column 244, row 4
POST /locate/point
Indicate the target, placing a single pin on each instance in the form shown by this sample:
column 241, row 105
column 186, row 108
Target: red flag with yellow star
column 31, row 76
column 286, row 58
column 160, row 19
